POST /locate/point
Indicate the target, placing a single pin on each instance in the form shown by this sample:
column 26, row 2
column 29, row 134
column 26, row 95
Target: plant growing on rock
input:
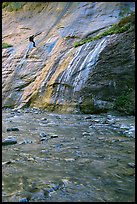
column 12, row 6
column 123, row 25
column 123, row 103
column 6, row 45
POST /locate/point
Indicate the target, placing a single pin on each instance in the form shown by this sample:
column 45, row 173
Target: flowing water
column 68, row 157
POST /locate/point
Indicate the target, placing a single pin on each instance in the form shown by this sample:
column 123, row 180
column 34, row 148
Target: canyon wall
column 94, row 77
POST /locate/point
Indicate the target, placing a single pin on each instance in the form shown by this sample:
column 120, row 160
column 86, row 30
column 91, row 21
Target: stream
column 67, row 157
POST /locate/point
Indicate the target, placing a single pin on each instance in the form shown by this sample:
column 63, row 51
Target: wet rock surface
column 58, row 76
column 85, row 158
column 9, row 141
column 12, row 129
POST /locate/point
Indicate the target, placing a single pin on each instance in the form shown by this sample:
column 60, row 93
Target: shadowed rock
column 9, row 141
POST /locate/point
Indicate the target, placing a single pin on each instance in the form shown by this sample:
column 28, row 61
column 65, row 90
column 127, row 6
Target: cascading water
column 78, row 70
column 88, row 64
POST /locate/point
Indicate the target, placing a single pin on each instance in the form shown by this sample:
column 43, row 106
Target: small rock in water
column 26, row 142
column 18, row 110
column 110, row 121
column 109, row 117
column 43, row 119
column 58, row 146
column 123, row 126
column 132, row 165
column 53, row 136
column 9, row 141
column 44, row 151
column 58, row 117
column 44, row 139
column 7, row 162
column 24, row 200
column 65, row 182
column 69, row 159
column 88, row 117
column 12, row 129
column 86, row 134
column 43, row 134
column 96, row 120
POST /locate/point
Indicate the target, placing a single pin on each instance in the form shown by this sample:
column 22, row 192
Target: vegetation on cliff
column 6, row 45
column 123, row 25
column 124, row 103
column 13, row 6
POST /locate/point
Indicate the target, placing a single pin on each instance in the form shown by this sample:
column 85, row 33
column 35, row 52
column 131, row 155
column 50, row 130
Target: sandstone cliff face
column 56, row 75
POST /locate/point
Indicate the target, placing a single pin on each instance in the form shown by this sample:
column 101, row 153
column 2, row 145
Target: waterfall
column 81, row 65
column 78, row 70
column 86, row 66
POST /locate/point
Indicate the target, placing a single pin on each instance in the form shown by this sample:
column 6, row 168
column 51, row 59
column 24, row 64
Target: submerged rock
column 9, row 141
column 12, row 129
column 43, row 134
column 53, row 136
column 26, row 142
column 24, row 200
column 43, row 139
column 132, row 165
column 7, row 162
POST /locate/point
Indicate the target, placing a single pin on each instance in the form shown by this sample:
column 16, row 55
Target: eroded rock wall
column 58, row 76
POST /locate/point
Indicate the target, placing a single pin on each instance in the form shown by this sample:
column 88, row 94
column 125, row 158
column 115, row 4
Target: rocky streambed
column 67, row 158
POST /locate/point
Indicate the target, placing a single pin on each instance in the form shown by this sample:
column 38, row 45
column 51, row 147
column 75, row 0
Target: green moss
column 121, row 101
column 13, row 6
column 5, row 4
column 125, row 11
column 70, row 37
column 124, row 104
column 87, row 106
column 127, row 19
column 6, row 45
column 123, row 25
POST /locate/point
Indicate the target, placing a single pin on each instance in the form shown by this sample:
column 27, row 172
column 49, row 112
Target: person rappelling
column 32, row 43
column 31, row 39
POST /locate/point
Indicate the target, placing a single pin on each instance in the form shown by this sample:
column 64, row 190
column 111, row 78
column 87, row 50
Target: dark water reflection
column 81, row 158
